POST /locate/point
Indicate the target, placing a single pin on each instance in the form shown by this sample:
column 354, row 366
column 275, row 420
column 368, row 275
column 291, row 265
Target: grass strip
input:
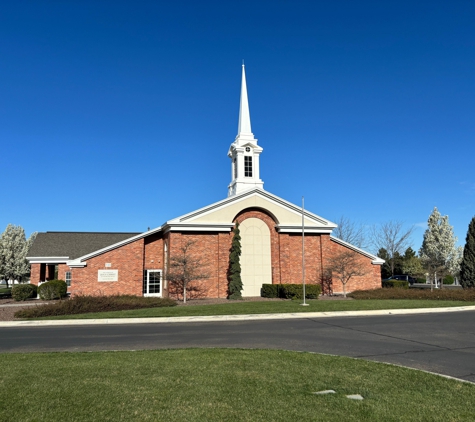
column 222, row 385
column 271, row 307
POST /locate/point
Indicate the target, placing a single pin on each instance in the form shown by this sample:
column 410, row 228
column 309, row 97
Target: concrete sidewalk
column 227, row 318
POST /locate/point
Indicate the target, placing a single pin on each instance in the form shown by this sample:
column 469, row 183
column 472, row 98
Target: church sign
column 107, row 275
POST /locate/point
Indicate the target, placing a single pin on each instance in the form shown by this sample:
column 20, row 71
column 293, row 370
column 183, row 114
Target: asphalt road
column 443, row 343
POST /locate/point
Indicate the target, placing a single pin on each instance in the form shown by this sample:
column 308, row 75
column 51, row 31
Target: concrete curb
column 227, row 318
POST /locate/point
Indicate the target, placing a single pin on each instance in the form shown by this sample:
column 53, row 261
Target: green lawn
column 271, row 307
column 222, row 385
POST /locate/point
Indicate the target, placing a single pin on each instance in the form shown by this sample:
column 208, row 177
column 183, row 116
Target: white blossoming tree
column 438, row 251
column 13, row 249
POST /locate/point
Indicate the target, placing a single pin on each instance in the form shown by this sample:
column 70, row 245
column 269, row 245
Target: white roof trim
column 307, row 229
column 243, row 195
column 203, row 227
column 47, row 259
column 76, row 264
column 375, row 259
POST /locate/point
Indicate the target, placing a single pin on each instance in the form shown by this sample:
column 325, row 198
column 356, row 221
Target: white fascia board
column 119, row 244
column 298, row 229
column 76, row 264
column 181, row 227
column 243, row 195
column 47, row 259
column 375, row 259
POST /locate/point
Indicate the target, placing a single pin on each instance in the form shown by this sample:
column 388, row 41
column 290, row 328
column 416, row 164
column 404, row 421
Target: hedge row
column 395, row 284
column 290, row 291
column 465, row 295
column 87, row 304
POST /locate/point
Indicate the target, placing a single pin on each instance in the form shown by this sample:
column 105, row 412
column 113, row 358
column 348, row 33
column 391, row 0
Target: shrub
column 53, row 289
column 448, row 279
column 291, row 291
column 4, row 293
column 87, row 304
column 395, row 284
column 21, row 292
column 422, row 280
column 270, row 290
column 465, row 295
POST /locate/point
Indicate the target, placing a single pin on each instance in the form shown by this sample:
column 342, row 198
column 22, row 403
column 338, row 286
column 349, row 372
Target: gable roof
column 64, row 246
column 220, row 215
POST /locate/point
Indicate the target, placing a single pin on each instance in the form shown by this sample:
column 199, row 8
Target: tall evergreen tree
column 467, row 268
column 234, row 272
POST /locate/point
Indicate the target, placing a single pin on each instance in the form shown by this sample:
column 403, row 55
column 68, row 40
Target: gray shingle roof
column 73, row 244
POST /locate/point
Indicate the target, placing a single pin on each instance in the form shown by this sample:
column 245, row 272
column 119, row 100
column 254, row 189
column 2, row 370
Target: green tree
column 385, row 268
column 13, row 249
column 234, row 272
column 467, row 267
column 411, row 263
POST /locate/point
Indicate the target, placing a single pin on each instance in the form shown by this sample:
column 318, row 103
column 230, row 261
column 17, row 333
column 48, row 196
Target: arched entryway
column 255, row 256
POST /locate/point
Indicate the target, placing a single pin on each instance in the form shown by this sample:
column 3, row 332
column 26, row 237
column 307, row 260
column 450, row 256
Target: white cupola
column 244, row 151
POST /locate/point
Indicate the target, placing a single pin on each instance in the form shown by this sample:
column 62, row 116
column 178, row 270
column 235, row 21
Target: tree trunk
column 184, row 294
column 344, row 291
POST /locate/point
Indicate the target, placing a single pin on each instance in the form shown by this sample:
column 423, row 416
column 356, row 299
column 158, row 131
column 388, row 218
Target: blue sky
column 117, row 115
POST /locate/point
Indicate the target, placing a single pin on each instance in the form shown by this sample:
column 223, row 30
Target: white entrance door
column 153, row 283
column 255, row 256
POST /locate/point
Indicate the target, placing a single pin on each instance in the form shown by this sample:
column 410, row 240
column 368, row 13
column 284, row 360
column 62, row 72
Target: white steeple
column 244, row 126
column 244, row 151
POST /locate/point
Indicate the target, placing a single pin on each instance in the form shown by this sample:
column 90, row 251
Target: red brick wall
column 128, row 259
column 370, row 280
column 213, row 251
column 35, row 270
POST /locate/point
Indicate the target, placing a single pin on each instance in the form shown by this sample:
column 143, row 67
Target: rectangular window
column 247, row 166
column 152, row 283
column 68, row 278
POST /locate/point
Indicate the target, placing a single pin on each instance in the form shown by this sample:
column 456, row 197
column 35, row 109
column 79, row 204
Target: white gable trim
column 244, row 195
column 375, row 259
column 115, row 245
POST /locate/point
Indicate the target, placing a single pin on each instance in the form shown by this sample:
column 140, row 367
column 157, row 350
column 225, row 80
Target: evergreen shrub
column 395, row 284
column 270, row 290
column 21, row 292
column 291, row 291
column 448, row 279
column 53, row 289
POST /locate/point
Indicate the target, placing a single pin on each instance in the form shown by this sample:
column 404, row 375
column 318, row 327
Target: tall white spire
column 244, row 126
column 244, row 151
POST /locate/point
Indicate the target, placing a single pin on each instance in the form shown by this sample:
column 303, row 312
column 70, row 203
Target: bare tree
column 344, row 266
column 185, row 267
column 393, row 237
column 350, row 232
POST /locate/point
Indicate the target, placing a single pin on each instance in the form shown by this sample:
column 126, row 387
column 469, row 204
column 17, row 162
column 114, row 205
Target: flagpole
column 303, row 254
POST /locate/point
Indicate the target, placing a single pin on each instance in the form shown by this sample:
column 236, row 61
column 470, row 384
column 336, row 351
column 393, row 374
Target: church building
column 271, row 242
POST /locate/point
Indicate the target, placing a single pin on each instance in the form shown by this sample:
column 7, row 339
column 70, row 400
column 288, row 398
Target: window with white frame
column 68, row 278
column 247, row 166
